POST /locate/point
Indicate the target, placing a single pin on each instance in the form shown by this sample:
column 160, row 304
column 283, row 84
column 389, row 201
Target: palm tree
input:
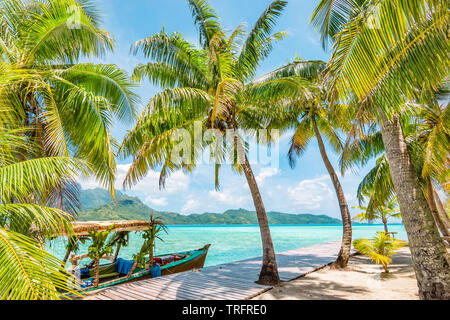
column 204, row 86
column 434, row 133
column 150, row 236
column 69, row 105
column 386, row 54
column 28, row 271
column 379, row 212
column 100, row 247
column 421, row 133
column 380, row 249
column 294, row 97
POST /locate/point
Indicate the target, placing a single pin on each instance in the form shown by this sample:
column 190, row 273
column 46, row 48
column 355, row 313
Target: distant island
column 98, row 206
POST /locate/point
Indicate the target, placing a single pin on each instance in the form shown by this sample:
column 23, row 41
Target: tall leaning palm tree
column 203, row 85
column 386, row 54
column 294, row 97
column 423, row 132
column 69, row 106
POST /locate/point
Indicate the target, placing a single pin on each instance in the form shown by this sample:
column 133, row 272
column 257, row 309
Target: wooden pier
column 232, row 281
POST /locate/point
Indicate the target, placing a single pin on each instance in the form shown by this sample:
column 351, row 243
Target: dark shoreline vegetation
column 102, row 208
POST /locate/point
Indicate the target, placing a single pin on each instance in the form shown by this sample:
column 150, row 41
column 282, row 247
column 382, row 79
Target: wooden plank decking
column 232, row 281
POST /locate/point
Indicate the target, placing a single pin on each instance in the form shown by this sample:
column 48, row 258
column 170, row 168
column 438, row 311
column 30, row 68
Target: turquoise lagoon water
column 235, row 243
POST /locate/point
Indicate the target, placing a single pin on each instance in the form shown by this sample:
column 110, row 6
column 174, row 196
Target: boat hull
column 196, row 261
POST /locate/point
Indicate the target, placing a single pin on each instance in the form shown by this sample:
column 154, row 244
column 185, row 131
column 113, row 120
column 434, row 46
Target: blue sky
column 306, row 189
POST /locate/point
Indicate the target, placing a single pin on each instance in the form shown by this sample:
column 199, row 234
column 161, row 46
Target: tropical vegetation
column 379, row 212
column 28, row 271
column 293, row 97
column 68, row 105
column 380, row 249
column 148, row 247
column 99, row 247
column 132, row 208
column 380, row 56
column 53, row 112
column 377, row 101
column 203, row 89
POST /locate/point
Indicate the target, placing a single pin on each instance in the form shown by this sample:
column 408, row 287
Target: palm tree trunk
column 430, row 258
column 441, row 209
column 269, row 270
column 434, row 210
column 69, row 248
column 150, row 261
column 385, row 224
column 344, row 254
column 116, row 255
column 97, row 272
column 66, row 257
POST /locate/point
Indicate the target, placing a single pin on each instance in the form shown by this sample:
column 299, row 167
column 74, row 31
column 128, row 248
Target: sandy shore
column 363, row 280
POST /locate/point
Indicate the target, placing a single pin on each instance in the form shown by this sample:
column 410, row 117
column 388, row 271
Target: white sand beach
column 362, row 280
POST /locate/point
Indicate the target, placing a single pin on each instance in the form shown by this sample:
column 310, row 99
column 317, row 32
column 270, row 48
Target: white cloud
column 266, row 173
column 224, row 197
column 230, row 197
column 177, row 182
column 311, row 194
column 159, row 202
column 88, row 184
column 191, row 205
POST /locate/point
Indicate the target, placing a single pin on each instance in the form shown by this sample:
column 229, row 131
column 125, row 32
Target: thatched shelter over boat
column 81, row 228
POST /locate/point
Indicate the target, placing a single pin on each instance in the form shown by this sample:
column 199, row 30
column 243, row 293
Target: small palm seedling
column 149, row 236
column 73, row 245
column 98, row 249
column 380, row 249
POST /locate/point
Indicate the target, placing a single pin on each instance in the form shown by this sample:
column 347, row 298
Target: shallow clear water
column 235, row 243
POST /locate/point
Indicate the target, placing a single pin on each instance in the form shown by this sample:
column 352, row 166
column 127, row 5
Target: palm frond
column 172, row 52
column 386, row 62
column 52, row 37
column 19, row 180
column 206, row 19
column 109, row 82
column 329, row 17
column 303, row 135
column 28, row 272
column 259, row 41
column 66, row 197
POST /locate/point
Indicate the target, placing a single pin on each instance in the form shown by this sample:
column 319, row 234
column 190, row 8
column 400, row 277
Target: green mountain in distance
column 131, row 208
column 94, row 198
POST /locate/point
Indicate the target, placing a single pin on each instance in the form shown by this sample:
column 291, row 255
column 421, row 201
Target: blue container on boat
column 155, row 271
column 87, row 283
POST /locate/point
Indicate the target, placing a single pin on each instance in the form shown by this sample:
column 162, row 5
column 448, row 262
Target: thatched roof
column 83, row 228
